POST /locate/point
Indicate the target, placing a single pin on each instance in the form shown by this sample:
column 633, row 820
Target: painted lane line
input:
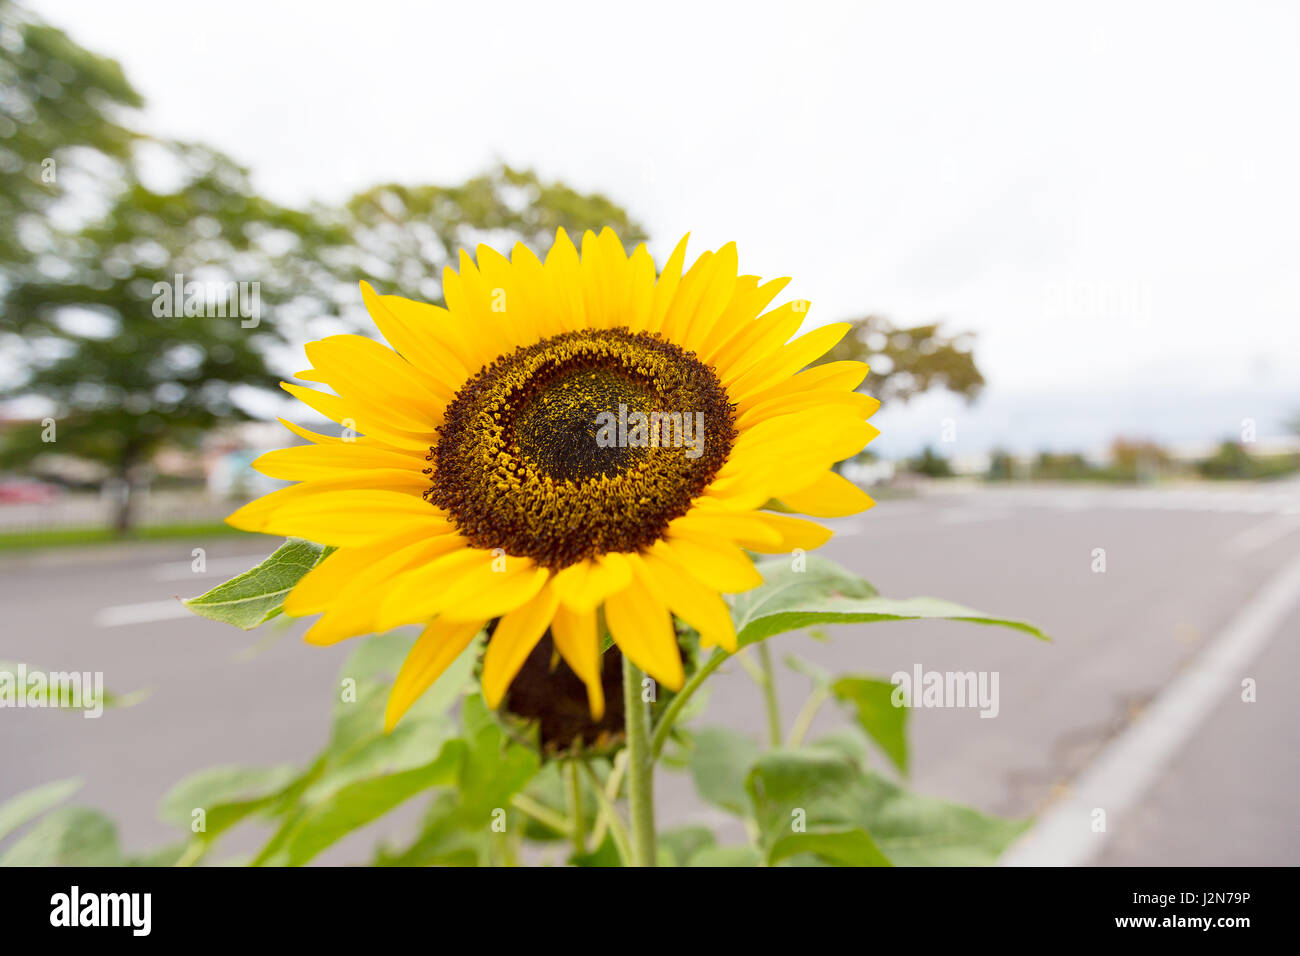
column 1137, row 758
column 183, row 570
column 146, row 613
column 1262, row 535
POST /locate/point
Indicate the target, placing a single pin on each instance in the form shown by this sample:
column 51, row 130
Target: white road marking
column 1136, row 759
column 1262, row 535
column 124, row 614
column 184, row 570
column 968, row 515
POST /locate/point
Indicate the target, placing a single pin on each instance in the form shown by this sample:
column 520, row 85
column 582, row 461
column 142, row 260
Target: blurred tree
column 59, row 102
column 145, row 325
column 405, row 235
column 1231, row 460
column 931, row 464
column 1002, row 467
column 144, row 320
column 1062, row 466
column 908, row 361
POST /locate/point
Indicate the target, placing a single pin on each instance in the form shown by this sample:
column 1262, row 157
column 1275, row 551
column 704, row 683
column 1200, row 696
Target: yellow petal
column 787, row 360
column 513, row 640
column 699, row 606
column 860, row 405
column 321, row 586
column 436, row 648
column 666, row 286
column 361, row 416
column 304, row 462
column 760, row 339
column 837, row 376
column 719, row 564
column 584, row 585
column 355, row 366
column 358, row 603
column 576, row 639
column 564, row 268
column 643, row 630
column 342, row 517
column 830, row 496
column 738, row 321
column 746, row 530
column 794, row 533
column 416, row 340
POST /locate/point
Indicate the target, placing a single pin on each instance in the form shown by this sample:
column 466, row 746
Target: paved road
column 1180, row 565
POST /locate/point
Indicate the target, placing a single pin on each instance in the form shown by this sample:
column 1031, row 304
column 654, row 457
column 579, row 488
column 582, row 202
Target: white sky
column 1107, row 193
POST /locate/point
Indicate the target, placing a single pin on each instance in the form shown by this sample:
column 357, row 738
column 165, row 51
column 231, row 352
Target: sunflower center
column 583, row 443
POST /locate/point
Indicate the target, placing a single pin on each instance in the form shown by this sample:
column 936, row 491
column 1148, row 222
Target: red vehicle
column 26, row 492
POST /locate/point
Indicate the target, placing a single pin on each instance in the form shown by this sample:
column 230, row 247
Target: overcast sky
column 1106, row 193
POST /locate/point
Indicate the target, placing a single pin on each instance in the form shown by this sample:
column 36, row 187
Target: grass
column 63, row 537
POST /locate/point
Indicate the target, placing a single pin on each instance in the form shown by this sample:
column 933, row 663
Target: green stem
column 640, row 767
column 609, row 815
column 575, row 809
column 613, row 784
column 674, row 708
column 803, row 720
column 542, row 814
column 769, row 694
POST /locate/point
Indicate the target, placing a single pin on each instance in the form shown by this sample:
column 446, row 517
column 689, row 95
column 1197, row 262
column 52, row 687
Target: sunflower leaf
column 872, row 701
column 32, row 803
column 810, row 590
column 719, row 760
column 70, row 836
column 257, row 595
column 819, row 801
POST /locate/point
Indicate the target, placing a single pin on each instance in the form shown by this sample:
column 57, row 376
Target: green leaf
column 257, row 595
column 684, row 843
column 851, row 817
column 843, row 846
column 726, row 856
column 226, row 795
column 72, row 836
column 825, row 593
column 29, row 804
column 873, row 707
column 443, row 841
column 802, row 804
column 719, row 761
column 363, row 802
column 496, row 768
column 58, row 696
column 604, row 855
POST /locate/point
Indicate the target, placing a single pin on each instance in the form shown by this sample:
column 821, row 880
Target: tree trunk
column 128, row 476
column 125, row 516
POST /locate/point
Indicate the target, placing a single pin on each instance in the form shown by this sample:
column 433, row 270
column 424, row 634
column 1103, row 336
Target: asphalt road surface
column 1199, row 590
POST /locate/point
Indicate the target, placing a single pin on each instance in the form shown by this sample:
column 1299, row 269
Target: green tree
column 61, row 103
column 405, row 235
column 931, row 464
column 908, row 361
column 151, row 320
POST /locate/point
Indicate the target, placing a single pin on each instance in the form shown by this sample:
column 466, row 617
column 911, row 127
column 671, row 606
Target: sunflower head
column 568, row 440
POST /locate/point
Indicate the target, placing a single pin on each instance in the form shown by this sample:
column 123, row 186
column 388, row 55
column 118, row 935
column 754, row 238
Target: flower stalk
column 769, row 694
column 640, row 767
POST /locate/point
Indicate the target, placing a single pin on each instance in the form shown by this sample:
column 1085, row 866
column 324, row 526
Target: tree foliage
column 58, row 100
column 906, row 361
column 406, row 235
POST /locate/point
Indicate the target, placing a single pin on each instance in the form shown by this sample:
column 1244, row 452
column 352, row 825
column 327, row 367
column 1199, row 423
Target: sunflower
column 573, row 445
